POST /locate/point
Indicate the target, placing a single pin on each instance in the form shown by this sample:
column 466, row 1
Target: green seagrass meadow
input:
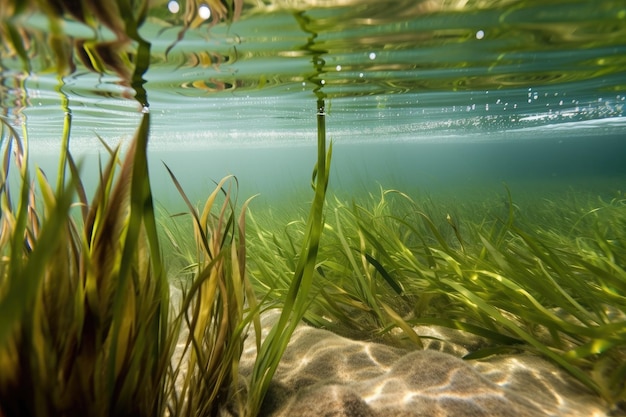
column 89, row 324
column 110, row 306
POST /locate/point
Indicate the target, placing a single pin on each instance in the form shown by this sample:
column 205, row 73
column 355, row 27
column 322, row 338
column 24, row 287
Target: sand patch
column 323, row 374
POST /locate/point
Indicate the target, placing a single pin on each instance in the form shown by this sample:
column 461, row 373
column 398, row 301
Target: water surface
column 425, row 93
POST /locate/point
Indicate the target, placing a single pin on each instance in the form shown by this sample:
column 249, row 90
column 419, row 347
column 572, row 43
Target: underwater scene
column 313, row 208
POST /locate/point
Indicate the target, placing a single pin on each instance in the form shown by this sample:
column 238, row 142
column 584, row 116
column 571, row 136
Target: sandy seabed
column 324, row 374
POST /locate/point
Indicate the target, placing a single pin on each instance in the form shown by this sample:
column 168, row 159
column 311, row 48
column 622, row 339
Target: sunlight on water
column 439, row 65
column 392, row 72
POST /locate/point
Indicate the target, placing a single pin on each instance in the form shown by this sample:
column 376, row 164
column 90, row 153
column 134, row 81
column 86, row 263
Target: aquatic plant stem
column 67, row 127
column 297, row 299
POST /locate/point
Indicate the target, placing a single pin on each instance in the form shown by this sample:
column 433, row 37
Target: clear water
column 436, row 94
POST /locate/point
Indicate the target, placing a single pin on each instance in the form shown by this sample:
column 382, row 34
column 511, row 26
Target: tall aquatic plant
column 296, row 301
column 216, row 308
column 84, row 299
column 87, row 325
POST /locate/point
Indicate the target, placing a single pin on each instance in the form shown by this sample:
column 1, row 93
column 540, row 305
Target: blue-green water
column 453, row 99
column 438, row 95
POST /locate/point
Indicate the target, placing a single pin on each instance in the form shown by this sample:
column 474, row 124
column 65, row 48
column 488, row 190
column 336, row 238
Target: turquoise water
column 454, row 100
column 439, row 95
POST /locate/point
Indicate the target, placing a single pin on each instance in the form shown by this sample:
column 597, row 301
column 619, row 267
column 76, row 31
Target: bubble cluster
column 204, row 11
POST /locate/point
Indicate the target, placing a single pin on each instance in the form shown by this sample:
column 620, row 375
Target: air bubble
column 204, row 12
column 173, row 6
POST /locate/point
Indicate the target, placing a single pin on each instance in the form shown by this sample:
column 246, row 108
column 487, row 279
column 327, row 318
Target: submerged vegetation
column 91, row 322
column 549, row 279
column 87, row 325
